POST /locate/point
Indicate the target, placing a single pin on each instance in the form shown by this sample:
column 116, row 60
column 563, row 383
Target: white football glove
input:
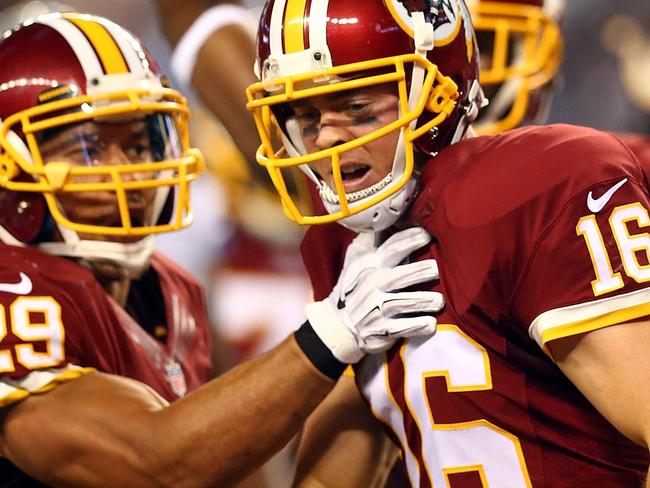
column 366, row 312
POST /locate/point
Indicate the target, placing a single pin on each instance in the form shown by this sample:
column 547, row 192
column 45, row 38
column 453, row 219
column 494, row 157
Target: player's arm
column 214, row 49
column 342, row 444
column 101, row 430
column 105, row 430
column 611, row 367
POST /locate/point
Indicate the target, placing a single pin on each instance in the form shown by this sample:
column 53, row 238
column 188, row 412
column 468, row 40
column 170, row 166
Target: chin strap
column 131, row 258
column 385, row 213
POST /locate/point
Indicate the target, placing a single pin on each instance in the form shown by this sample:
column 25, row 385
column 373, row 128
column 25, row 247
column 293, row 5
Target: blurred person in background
column 202, row 31
column 521, row 75
column 213, row 53
column 520, row 46
column 104, row 343
column 12, row 12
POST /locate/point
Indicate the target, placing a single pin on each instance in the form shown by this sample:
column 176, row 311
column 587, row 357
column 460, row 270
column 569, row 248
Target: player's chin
column 107, row 271
column 125, row 239
column 110, row 238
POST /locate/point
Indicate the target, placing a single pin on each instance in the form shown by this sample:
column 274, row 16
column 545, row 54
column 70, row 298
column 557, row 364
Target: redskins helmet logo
column 445, row 15
column 427, row 6
column 435, row 11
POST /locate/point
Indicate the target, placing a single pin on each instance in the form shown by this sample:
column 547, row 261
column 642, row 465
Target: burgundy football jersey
column 57, row 322
column 539, row 235
column 639, row 144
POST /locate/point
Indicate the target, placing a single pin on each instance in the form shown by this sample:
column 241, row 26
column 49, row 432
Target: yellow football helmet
column 425, row 48
column 60, row 72
column 520, row 43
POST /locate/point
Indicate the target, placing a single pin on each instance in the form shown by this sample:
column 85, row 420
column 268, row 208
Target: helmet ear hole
column 23, row 214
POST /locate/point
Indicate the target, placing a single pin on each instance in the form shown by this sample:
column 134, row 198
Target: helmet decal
column 58, row 93
column 445, row 15
column 438, row 12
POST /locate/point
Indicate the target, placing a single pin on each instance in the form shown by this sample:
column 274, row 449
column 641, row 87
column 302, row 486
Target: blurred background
column 606, row 69
column 241, row 247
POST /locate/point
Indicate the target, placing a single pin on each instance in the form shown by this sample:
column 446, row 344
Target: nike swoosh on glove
column 366, row 311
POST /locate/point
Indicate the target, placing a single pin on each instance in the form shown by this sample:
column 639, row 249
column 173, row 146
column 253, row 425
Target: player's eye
column 83, row 153
column 309, row 120
column 138, row 151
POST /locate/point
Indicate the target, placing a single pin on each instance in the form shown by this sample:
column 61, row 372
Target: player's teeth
column 352, row 168
column 331, row 196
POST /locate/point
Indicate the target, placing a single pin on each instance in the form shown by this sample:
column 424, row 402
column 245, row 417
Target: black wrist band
column 317, row 352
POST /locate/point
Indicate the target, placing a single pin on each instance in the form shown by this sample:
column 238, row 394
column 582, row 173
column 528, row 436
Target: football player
column 260, row 255
column 97, row 333
column 537, row 375
column 201, row 35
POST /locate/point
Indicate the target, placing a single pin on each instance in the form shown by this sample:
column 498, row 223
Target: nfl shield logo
column 175, row 377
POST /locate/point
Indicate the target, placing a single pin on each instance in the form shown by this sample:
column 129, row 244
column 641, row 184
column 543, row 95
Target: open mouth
column 355, row 177
column 353, row 172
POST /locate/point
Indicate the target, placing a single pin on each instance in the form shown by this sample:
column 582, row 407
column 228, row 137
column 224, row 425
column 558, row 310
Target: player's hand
column 366, row 311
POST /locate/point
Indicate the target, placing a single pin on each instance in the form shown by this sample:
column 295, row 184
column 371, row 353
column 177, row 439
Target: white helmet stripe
column 277, row 23
column 318, row 24
column 130, row 47
column 79, row 43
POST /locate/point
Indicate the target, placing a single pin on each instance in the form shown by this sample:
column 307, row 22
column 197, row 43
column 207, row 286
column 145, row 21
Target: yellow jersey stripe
column 587, row 325
column 40, row 381
column 294, row 24
column 104, row 45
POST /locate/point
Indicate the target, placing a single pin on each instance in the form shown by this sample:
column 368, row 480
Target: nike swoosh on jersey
column 23, row 287
column 595, row 205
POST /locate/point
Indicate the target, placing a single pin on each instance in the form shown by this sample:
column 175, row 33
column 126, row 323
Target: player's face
column 330, row 120
column 109, row 143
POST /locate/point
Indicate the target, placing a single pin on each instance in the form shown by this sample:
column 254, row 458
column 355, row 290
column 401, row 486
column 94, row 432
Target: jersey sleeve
column 590, row 268
column 41, row 328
